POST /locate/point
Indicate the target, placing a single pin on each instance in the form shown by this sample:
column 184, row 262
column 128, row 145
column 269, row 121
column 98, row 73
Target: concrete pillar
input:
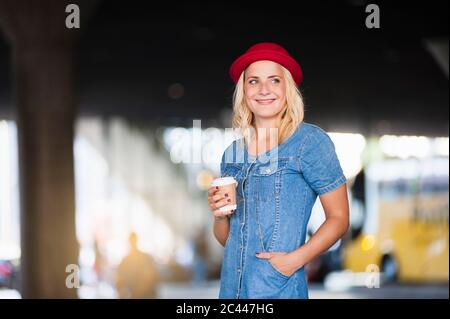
column 43, row 83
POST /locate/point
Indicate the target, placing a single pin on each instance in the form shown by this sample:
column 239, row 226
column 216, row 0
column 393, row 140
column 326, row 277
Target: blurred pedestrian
column 137, row 275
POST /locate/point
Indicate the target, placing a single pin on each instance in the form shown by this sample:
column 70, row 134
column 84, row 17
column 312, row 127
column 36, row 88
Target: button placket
column 243, row 229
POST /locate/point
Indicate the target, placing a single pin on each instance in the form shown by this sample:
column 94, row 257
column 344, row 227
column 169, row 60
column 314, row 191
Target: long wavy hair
column 291, row 115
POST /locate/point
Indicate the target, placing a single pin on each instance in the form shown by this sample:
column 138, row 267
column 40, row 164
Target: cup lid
column 223, row 181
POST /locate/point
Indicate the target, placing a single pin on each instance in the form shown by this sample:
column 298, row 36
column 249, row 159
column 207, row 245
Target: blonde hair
column 291, row 115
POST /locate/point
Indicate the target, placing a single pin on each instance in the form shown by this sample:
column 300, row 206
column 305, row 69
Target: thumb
column 264, row 255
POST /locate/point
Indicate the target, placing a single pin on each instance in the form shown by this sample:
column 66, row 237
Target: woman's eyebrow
column 269, row 77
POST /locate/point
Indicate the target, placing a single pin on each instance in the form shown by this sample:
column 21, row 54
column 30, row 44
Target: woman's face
column 265, row 89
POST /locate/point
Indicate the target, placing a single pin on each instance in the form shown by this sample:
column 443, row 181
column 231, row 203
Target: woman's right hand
column 216, row 200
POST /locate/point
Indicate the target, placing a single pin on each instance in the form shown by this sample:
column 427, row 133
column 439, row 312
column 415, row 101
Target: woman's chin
column 266, row 112
column 267, row 117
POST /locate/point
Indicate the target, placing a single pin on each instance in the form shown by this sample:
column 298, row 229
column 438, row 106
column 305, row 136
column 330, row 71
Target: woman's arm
column 221, row 229
column 335, row 205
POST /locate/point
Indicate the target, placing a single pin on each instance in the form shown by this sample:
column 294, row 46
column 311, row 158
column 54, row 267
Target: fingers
column 212, row 190
column 214, row 199
column 264, row 255
column 267, row 255
column 219, row 204
column 218, row 197
column 218, row 200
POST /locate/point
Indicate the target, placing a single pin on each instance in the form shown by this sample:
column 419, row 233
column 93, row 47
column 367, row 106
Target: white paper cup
column 227, row 185
column 222, row 181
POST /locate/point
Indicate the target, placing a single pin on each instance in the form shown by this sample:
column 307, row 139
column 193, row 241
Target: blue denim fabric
column 275, row 195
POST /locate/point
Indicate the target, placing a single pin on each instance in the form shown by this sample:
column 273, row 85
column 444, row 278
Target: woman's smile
column 264, row 101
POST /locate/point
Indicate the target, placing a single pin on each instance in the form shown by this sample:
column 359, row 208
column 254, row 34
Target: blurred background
column 111, row 133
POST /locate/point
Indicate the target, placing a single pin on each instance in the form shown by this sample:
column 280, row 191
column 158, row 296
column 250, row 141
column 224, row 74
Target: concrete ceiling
column 355, row 79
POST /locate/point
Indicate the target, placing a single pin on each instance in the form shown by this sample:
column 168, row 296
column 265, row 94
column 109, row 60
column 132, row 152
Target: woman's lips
column 264, row 101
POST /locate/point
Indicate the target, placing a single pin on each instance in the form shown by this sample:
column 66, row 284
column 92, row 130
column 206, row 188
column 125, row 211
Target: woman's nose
column 264, row 89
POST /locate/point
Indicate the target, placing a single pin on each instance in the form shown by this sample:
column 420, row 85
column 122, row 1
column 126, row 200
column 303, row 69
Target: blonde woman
column 281, row 164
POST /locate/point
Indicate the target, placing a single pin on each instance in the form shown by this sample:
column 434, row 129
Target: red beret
column 266, row 51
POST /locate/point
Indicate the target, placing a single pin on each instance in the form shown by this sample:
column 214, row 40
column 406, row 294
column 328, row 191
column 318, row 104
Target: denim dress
column 275, row 195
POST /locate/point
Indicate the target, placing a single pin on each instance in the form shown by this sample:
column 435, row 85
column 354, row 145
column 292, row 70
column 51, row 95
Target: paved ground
column 210, row 290
column 317, row 291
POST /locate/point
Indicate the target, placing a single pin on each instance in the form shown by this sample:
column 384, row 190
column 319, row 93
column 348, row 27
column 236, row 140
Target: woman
column 281, row 165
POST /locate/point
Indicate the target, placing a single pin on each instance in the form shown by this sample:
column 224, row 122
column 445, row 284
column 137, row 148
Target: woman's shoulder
column 314, row 140
column 313, row 132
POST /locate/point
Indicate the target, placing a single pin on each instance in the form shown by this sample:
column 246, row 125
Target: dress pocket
column 275, row 272
column 268, row 177
column 271, row 167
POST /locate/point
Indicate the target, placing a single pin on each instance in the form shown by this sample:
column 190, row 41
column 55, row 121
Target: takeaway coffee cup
column 227, row 185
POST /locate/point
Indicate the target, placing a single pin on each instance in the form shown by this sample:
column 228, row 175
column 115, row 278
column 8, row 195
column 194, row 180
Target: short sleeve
column 319, row 163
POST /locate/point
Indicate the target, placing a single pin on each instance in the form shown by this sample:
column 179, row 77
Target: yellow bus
column 400, row 220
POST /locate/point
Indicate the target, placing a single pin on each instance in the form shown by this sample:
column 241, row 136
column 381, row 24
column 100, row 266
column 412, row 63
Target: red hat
column 266, row 51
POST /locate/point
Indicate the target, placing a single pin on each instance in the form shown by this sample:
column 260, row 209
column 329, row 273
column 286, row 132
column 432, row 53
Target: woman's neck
column 267, row 123
column 265, row 138
column 267, row 129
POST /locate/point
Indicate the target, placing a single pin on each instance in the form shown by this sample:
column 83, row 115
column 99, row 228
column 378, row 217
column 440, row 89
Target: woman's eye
column 252, row 82
column 275, row 80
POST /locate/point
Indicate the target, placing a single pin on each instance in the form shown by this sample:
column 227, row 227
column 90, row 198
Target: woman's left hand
column 284, row 262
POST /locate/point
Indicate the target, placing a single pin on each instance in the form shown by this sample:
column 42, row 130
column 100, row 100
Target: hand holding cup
column 222, row 197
